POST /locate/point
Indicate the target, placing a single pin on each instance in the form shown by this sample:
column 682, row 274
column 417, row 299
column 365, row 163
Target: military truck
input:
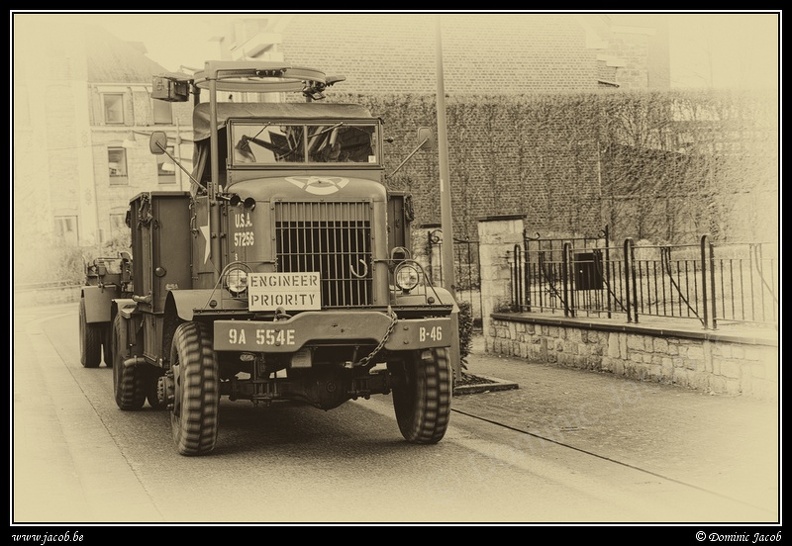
column 106, row 278
column 284, row 274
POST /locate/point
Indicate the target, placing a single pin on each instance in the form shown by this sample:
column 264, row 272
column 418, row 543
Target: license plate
column 241, row 336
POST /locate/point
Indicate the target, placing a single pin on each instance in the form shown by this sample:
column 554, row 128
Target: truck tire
column 422, row 395
column 196, row 389
column 128, row 383
column 90, row 340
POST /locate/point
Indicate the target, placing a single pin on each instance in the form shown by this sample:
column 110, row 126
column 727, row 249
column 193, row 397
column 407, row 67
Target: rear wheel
column 422, row 394
column 128, row 381
column 90, row 340
column 196, row 389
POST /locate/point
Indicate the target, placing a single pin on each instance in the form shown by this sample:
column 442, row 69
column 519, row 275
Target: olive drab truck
column 284, row 274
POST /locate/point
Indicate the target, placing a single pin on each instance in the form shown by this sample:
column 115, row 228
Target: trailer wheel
column 128, row 381
column 422, row 395
column 196, row 389
column 90, row 340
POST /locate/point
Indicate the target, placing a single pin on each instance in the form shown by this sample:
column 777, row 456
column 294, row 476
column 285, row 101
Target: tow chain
column 366, row 359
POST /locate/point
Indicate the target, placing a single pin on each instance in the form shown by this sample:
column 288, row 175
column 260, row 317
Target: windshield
column 338, row 142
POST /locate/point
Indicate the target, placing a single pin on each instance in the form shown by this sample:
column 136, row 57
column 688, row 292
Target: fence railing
column 708, row 282
column 467, row 271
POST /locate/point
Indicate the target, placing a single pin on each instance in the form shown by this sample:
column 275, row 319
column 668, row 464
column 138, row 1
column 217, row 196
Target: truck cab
column 284, row 274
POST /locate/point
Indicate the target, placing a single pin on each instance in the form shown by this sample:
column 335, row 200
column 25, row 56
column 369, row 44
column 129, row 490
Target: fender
column 125, row 306
column 98, row 301
column 442, row 296
column 185, row 302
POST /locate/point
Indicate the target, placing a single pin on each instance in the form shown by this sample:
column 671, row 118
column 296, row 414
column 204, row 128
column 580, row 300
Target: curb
column 492, row 384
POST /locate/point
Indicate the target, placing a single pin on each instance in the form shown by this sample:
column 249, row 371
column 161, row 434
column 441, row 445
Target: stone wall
column 732, row 362
column 706, row 361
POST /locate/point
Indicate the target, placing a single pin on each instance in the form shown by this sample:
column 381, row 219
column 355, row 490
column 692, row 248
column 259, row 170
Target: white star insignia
column 207, row 249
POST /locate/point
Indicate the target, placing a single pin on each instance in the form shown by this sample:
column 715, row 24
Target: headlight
column 406, row 277
column 236, row 280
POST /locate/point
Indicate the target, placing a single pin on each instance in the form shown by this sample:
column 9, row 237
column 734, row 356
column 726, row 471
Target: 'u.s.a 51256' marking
column 262, row 336
column 243, row 238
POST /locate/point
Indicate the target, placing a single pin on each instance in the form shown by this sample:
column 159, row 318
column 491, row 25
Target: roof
column 112, row 60
column 278, row 110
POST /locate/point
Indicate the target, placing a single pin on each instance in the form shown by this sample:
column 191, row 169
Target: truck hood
column 310, row 188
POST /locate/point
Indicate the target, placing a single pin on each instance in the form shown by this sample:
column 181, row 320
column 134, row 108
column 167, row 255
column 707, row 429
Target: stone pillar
column 497, row 236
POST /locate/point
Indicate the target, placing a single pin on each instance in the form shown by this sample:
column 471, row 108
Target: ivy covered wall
column 663, row 166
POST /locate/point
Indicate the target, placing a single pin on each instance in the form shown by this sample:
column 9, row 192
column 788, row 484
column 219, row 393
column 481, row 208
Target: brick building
column 483, row 54
column 390, row 63
column 82, row 113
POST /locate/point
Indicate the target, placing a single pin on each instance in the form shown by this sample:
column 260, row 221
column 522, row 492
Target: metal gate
column 467, row 273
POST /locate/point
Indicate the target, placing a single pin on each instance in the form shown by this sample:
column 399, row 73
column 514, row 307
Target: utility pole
column 446, row 224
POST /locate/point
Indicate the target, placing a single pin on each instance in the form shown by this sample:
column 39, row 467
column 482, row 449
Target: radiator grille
column 333, row 239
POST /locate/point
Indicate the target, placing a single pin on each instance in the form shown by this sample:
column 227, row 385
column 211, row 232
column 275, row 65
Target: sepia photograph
column 395, row 269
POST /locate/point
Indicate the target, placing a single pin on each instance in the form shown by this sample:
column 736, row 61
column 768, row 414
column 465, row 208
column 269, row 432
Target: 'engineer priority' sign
column 292, row 291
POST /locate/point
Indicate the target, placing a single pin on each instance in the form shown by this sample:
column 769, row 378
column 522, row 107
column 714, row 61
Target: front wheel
column 196, row 398
column 422, row 394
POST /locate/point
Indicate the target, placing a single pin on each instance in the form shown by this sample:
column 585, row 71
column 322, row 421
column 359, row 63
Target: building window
column 163, row 113
column 118, row 225
column 113, row 107
column 166, row 170
column 66, row 229
column 117, row 164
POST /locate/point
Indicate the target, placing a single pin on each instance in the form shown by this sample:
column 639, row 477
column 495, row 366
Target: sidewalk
column 725, row 444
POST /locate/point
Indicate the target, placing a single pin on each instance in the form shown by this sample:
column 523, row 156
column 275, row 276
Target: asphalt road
column 507, row 458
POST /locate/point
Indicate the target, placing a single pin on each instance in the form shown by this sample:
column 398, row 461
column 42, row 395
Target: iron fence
column 587, row 276
column 467, row 272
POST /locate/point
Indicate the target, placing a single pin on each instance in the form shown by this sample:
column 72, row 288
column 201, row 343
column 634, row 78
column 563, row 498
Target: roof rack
column 246, row 76
column 264, row 77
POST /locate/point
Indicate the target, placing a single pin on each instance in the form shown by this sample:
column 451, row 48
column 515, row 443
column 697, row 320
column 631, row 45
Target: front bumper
column 331, row 327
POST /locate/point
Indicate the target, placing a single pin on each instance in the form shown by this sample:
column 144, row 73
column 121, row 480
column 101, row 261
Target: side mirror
column 158, row 142
column 426, row 139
